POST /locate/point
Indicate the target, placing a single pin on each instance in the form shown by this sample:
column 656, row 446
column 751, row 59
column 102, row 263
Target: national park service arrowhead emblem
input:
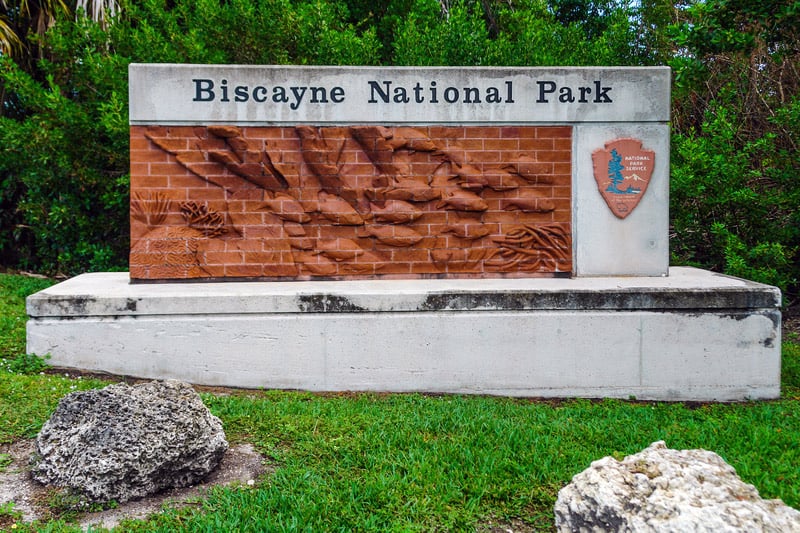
column 622, row 171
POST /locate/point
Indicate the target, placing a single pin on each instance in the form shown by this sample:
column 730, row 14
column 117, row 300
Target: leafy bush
column 735, row 194
column 64, row 126
column 63, row 119
column 63, row 162
column 513, row 34
column 723, row 214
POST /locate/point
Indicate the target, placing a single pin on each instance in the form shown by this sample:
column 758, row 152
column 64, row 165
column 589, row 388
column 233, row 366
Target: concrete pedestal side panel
column 690, row 336
column 493, row 353
column 605, row 244
column 691, row 350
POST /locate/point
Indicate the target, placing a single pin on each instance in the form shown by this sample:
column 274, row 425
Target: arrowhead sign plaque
column 622, row 171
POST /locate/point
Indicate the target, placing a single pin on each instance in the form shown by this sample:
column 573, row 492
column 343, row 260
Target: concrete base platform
column 693, row 335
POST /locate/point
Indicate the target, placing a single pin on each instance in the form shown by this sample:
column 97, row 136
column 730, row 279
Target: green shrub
column 63, row 161
column 64, row 127
column 514, row 34
column 735, row 205
column 735, row 196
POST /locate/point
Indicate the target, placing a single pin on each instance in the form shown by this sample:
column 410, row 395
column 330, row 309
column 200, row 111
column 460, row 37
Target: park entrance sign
column 289, row 95
column 358, row 173
column 458, row 230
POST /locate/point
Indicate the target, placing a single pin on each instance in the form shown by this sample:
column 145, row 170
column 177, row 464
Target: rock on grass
column 126, row 442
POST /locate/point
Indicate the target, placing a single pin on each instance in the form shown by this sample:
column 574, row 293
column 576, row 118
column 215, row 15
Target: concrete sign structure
column 359, row 172
column 288, row 95
column 393, row 228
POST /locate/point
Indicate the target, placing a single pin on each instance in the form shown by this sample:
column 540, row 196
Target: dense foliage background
column 735, row 198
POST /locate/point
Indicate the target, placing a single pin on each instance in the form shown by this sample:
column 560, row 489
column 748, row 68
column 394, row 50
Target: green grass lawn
column 408, row 462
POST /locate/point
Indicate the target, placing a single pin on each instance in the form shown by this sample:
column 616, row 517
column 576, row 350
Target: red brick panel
column 350, row 202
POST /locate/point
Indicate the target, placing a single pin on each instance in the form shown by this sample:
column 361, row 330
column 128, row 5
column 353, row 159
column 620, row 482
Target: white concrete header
column 275, row 95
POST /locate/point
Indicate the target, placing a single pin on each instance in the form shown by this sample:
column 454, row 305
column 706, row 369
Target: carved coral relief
column 353, row 201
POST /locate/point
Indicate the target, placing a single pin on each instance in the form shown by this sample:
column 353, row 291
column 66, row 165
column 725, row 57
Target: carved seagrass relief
column 308, row 202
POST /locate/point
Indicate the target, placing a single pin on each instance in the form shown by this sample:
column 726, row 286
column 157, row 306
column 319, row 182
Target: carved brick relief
column 307, row 202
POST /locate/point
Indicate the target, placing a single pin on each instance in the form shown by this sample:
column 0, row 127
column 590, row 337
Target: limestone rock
column 126, row 442
column 665, row 490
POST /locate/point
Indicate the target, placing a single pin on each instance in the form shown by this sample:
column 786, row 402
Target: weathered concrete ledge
column 693, row 335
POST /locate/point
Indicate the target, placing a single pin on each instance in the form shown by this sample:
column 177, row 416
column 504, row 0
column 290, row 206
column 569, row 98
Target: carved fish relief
column 382, row 156
column 395, row 212
column 530, row 169
column 286, row 207
column 301, row 243
column 400, row 236
column 242, row 159
column 369, row 263
column 316, row 264
column 460, row 200
column 528, row 202
column 239, row 159
column 225, row 131
column 393, row 198
column 339, row 249
column 338, row 211
column 252, row 165
column 468, row 231
column 321, row 156
column 500, row 180
column 411, row 190
column 459, row 260
column 470, row 177
column 293, row 229
column 404, row 138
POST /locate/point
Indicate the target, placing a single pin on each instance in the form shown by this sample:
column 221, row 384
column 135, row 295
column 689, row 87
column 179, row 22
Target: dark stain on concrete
column 327, row 303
